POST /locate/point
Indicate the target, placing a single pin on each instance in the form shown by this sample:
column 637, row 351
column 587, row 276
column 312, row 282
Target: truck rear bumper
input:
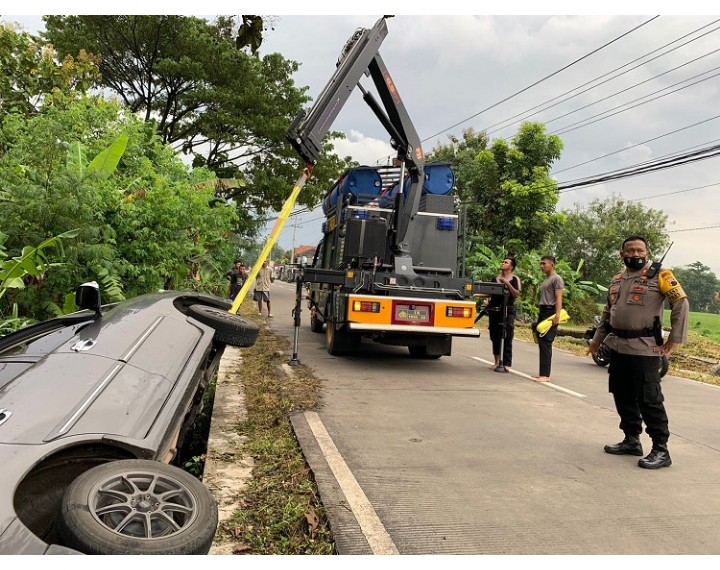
column 453, row 331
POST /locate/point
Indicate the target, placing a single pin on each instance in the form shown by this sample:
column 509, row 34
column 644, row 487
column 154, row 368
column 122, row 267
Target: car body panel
column 126, row 380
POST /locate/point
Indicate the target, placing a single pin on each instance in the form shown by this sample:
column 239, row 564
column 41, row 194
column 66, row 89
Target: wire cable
column 541, row 80
column 491, row 129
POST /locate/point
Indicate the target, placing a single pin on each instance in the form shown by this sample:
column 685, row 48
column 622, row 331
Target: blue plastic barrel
column 362, row 181
column 439, row 179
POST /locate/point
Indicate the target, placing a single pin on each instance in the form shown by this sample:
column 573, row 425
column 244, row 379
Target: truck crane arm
column 359, row 57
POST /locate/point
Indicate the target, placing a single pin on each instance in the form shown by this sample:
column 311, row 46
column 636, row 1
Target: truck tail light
column 366, row 307
column 464, row 312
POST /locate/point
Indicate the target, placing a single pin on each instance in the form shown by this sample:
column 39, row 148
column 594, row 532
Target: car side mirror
column 87, row 296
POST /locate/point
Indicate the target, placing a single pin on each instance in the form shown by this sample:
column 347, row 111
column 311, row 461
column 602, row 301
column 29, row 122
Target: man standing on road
column 494, row 304
column 633, row 316
column 550, row 305
column 236, row 275
column 262, row 288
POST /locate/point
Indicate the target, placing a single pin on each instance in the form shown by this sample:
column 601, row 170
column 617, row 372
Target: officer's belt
column 630, row 333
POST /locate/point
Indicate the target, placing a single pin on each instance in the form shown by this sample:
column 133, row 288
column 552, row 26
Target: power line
column 693, row 229
column 541, row 80
column 586, row 122
column 674, row 192
column 492, row 128
column 644, row 168
column 637, row 144
column 677, row 153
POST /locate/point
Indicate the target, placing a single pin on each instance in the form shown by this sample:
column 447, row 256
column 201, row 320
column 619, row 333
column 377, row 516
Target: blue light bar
column 447, row 224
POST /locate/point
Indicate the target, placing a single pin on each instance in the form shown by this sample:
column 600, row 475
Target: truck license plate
column 414, row 313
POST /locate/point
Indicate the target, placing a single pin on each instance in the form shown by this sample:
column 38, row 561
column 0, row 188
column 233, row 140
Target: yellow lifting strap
column 274, row 234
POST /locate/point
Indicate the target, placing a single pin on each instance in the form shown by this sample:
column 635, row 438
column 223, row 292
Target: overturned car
column 94, row 409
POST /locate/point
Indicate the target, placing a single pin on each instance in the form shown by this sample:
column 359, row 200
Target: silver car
column 94, row 408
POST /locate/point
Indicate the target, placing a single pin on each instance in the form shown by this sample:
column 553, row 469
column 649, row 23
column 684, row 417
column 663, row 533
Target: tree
column 227, row 109
column 32, row 76
column 509, row 195
column 146, row 221
column 578, row 296
column 701, row 285
column 594, row 233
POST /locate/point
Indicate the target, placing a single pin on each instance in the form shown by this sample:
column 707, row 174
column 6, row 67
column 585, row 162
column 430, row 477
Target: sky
column 489, row 72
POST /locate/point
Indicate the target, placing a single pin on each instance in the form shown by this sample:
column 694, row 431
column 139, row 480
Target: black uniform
column 495, row 323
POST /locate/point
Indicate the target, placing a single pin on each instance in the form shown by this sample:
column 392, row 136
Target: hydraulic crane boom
column 359, row 57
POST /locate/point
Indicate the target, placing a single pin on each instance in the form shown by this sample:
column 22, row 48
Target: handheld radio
column 656, row 265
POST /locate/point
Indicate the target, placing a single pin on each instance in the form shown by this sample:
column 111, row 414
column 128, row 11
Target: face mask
column 634, row 263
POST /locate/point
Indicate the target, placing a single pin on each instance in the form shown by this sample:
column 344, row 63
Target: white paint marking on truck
column 374, row 531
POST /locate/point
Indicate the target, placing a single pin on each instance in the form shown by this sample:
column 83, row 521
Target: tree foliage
column 144, row 219
column 509, row 196
column 594, row 233
column 701, row 286
column 225, row 108
column 32, row 77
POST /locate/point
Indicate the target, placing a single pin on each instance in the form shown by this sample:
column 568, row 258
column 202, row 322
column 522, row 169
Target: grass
column 705, row 324
column 281, row 510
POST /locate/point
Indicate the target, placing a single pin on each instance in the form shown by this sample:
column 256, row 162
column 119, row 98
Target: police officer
column 633, row 317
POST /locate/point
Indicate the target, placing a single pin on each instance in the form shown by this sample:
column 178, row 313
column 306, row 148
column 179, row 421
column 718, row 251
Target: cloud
column 634, row 154
column 365, row 150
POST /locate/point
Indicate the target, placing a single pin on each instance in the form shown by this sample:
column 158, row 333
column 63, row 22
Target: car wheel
column 229, row 328
column 137, row 506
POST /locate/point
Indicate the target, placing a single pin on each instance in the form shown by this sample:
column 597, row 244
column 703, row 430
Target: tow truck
column 386, row 268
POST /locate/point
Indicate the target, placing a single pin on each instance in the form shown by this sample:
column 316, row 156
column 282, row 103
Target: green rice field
column 704, row 324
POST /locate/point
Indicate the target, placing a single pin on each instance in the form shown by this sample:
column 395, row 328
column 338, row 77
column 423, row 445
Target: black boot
column 657, row 458
column 629, row 446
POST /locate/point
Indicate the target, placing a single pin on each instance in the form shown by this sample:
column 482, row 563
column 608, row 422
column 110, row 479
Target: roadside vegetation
column 281, row 510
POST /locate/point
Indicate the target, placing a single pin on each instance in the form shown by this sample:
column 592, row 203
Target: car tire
column 229, row 328
column 137, row 506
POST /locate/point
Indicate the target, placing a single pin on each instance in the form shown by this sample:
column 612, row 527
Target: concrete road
column 449, row 457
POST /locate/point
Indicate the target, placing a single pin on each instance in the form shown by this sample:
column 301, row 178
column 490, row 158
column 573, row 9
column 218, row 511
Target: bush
column 581, row 309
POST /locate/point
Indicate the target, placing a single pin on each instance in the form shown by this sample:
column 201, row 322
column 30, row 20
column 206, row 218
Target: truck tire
column 339, row 341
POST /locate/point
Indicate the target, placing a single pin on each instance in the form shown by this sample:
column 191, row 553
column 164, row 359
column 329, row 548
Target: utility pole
column 292, row 251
